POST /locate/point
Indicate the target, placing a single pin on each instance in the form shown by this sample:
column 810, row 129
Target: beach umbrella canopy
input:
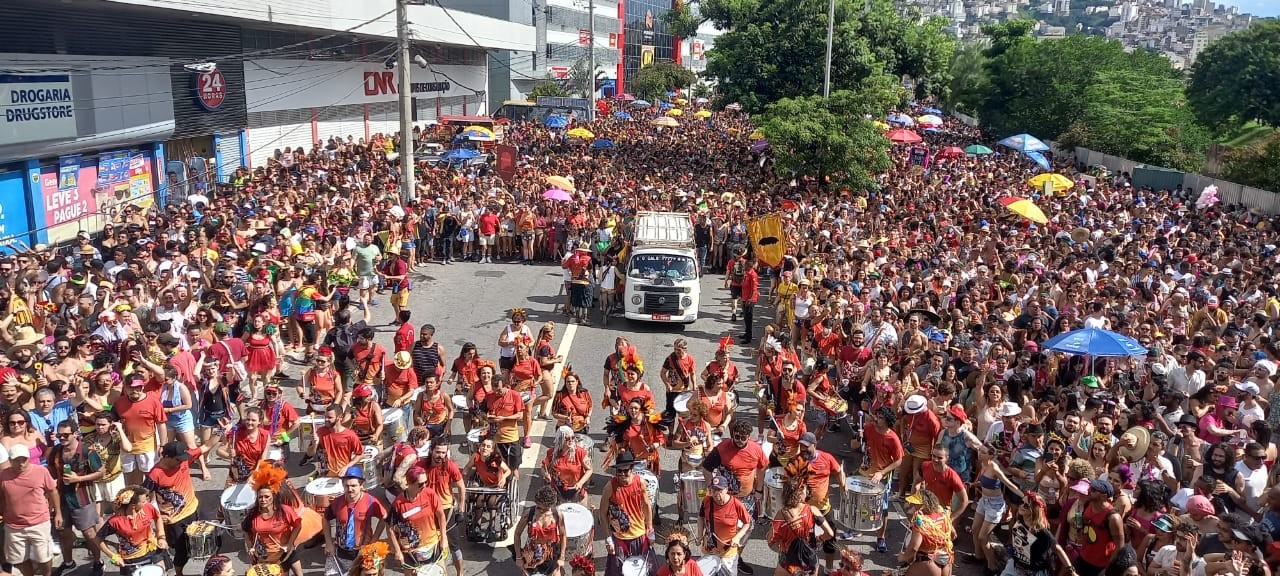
column 1024, row 143
column 581, row 133
column 703, row 113
column 1095, row 342
column 558, row 195
column 734, row 107
column 1059, row 181
column 951, row 152
column 1039, row 159
column 459, row 154
column 675, row 112
column 665, row 121
column 933, row 130
column 602, row 144
column 977, row 150
column 901, row 119
column 557, row 121
column 929, row 119
column 1024, row 208
column 701, row 101
column 478, row 135
column 931, row 110
column 663, row 105
column 903, row 136
column 761, row 146
column 879, row 124
column 561, row 182
column 622, row 115
column 639, row 104
column 682, row 101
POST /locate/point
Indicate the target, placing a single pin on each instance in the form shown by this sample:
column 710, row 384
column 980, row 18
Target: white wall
column 305, row 84
column 429, row 23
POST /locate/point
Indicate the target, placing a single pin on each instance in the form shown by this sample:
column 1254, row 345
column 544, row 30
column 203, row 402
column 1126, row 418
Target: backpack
column 738, row 272
column 343, row 341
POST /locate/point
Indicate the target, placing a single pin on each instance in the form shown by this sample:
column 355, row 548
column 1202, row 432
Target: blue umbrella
column 1095, row 342
column 602, row 144
column 639, row 104
column 931, row 110
column 1024, row 143
column 557, row 122
column 458, row 154
column 901, row 119
column 664, row 105
column 933, row 130
column 622, row 115
column 760, row 146
column 1040, row 159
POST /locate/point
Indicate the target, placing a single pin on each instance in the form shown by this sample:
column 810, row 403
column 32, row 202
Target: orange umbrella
column 1024, row 208
column 903, row 136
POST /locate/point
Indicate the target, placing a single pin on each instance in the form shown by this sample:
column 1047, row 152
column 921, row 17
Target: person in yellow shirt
column 784, row 299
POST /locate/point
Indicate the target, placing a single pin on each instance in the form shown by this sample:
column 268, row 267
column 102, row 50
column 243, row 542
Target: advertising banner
column 68, row 198
column 36, row 108
column 68, row 172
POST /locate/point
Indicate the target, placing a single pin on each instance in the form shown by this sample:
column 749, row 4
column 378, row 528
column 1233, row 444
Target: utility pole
column 591, row 60
column 403, row 63
column 831, row 28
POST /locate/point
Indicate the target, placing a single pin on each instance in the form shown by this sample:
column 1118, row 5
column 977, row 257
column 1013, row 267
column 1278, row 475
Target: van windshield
column 665, row 266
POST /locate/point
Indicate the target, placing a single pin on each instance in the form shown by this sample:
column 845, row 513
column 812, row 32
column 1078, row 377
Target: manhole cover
column 490, row 274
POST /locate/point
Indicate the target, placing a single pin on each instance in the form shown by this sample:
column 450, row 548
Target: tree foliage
column 832, row 138
column 775, row 49
column 682, row 21
column 654, row 81
column 547, row 87
column 1237, row 78
column 969, row 79
column 1140, row 116
column 1257, row 165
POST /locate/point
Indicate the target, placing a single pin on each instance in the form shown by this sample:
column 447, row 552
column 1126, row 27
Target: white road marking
column 529, row 462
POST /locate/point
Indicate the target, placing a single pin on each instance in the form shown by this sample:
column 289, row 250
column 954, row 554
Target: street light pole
column 591, row 60
column 831, row 27
column 406, row 102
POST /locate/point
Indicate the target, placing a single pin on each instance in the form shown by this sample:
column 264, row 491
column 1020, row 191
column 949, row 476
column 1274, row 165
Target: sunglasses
column 12, row 422
column 63, row 435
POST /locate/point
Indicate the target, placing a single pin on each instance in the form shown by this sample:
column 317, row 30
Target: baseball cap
column 1102, row 486
column 808, row 439
column 19, row 451
column 1212, row 302
column 957, row 412
column 719, row 482
column 1248, row 386
column 362, row 391
column 175, row 449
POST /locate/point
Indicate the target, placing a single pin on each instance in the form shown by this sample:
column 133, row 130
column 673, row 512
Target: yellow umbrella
column 665, row 121
column 1058, row 181
column 675, row 112
column 581, row 133
column 562, row 183
column 682, row 101
column 1024, row 208
column 703, row 113
column 478, row 128
column 880, row 125
column 756, row 135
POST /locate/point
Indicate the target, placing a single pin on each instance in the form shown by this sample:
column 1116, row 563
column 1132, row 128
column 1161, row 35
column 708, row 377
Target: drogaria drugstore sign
column 36, row 107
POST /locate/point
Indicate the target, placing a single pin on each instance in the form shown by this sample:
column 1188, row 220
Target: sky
column 1258, row 7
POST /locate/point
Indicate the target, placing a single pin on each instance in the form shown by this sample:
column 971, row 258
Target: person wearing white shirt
column 1254, row 471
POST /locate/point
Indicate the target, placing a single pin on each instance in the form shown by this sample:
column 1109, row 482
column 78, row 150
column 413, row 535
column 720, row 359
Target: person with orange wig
column 272, row 528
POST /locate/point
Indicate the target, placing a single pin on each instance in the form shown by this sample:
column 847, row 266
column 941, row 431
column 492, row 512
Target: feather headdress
column 268, row 476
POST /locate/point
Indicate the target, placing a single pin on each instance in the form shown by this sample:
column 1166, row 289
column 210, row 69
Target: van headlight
column 687, row 302
column 636, row 300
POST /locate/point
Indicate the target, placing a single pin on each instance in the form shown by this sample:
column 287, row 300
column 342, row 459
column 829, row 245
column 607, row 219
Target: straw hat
column 403, row 360
column 26, row 335
column 1141, row 440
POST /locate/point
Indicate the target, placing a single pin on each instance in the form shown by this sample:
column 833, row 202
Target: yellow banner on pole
column 768, row 240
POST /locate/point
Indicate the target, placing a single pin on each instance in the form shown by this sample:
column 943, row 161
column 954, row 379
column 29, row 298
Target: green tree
column 683, row 21
column 654, row 81
column 828, row 138
column 546, row 87
column 1004, row 35
column 1140, row 116
column 1237, row 78
column 908, row 47
column 581, row 80
column 1257, row 165
column 970, row 79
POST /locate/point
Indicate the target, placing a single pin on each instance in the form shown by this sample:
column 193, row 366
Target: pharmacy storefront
column 79, row 139
column 295, row 103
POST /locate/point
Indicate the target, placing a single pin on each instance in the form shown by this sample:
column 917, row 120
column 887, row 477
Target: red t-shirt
column 340, row 510
column 403, row 339
column 885, row 448
column 744, row 463
column 440, row 480
column 690, row 569
column 135, row 533
column 25, row 504
column 725, row 518
column 340, row 449
column 175, row 495
column 488, row 224
column 416, row 521
column 140, row 420
column 250, row 449
column 269, row 534
column 945, row 484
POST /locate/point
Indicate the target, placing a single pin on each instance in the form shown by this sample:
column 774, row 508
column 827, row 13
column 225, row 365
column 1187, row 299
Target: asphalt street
column 469, row 303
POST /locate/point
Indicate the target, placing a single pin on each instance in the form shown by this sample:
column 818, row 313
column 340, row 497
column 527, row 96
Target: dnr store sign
column 35, row 108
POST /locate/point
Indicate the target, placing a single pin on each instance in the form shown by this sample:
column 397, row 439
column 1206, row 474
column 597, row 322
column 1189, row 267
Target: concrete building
column 147, row 101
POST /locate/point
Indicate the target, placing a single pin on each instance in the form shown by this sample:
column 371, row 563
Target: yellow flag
column 767, row 239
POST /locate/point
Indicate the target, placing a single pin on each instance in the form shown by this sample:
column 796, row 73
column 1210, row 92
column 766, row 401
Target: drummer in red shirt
column 745, row 459
column 722, row 366
column 784, row 391
column 817, row 469
column 399, row 379
column 724, row 523
column 884, row 454
column 720, row 402
column 568, row 466
column 680, row 561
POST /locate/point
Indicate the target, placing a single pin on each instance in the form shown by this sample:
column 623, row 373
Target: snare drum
column 862, row 506
column 393, row 426
column 149, row 570
column 635, row 566
column 321, row 491
column 712, row 565
column 473, row 439
column 369, row 466
column 651, row 484
column 693, row 488
column 772, row 491
column 460, row 404
column 833, row 404
column 275, row 454
column 201, row 539
column 579, row 529
column 309, row 424
column 430, row 570
column 236, row 501
column 681, row 403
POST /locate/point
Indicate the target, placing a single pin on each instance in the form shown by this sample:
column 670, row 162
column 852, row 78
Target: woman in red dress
column 572, row 404
column 262, row 358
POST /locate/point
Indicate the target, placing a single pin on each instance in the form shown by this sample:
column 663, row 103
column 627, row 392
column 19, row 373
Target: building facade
column 141, row 102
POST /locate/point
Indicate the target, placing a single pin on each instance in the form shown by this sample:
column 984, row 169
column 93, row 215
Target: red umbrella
column 951, row 152
column 903, row 136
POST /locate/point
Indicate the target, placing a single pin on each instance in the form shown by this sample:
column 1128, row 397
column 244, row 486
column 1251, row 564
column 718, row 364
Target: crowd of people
column 907, row 320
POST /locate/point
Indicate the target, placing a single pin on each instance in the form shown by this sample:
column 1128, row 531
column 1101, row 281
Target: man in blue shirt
column 49, row 412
